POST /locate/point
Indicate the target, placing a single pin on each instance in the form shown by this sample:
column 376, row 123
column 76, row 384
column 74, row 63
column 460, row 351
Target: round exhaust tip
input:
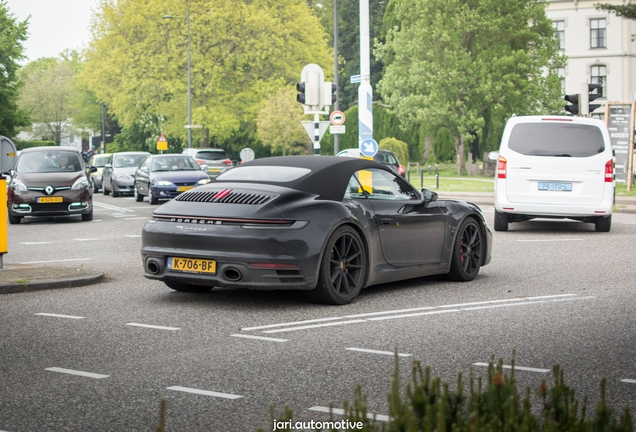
column 232, row 274
column 153, row 266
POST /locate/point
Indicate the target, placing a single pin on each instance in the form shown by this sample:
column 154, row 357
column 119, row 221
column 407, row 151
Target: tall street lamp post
column 189, row 125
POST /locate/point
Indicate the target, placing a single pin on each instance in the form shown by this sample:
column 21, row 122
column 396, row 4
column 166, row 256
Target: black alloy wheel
column 342, row 270
column 468, row 251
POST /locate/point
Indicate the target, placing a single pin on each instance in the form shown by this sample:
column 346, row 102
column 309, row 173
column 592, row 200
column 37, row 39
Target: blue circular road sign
column 369, row 147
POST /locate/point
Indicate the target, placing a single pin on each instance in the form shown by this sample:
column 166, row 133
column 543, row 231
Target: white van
column 554, row 167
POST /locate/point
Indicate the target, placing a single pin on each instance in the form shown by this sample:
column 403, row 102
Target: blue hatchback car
column 164, row 176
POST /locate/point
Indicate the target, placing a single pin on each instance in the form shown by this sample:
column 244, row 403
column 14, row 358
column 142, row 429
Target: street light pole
column 189, row 125
column 189, row 85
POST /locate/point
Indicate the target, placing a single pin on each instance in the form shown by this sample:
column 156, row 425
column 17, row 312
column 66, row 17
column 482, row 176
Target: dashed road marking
column 627, row 380
column 76, row 372
column 340, row 411
column 204, row 392
column 315, row 326
column 529, row 369
column 550, row 240
column 59, row 316
column 152, row 326
column 364, row 350
column 259, row 338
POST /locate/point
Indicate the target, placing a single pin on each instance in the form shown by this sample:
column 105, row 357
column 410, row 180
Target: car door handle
column 385, row 221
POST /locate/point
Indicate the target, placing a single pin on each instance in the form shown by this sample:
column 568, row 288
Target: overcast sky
column 54, row 26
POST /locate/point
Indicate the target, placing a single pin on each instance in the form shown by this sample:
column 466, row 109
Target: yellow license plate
column 184, row 188
column 50, row 199
column 191, row 265
column 214, row 169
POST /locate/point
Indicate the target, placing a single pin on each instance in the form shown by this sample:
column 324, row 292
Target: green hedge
column 426, row 404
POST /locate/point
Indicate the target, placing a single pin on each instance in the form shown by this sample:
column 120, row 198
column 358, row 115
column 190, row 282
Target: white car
column 554, row 167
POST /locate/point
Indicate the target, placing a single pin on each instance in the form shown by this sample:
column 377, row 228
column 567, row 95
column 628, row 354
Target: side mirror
column 428, row 196
column 493, row 155
column 92, row 169
column 108, row 166
column 204, row 167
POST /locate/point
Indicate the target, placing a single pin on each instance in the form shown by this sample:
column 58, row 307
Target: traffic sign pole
column 365, row 99
column 7, row 163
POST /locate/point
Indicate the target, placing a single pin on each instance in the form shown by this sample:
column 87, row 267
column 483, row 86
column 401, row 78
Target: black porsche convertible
column 323, row 224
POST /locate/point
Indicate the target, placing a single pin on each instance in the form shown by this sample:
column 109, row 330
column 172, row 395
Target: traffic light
column 573, row 108
column 329, row 93
column 334, row 93
column 300, row 88
column 595, row 92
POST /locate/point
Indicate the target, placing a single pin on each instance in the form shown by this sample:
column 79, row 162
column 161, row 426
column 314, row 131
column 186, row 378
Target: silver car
column 216, row 160
column 119, row 172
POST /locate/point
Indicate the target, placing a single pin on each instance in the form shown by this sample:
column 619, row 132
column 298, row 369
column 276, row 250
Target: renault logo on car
column 49, row 190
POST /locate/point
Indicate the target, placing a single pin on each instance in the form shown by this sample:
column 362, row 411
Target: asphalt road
column 101, row 357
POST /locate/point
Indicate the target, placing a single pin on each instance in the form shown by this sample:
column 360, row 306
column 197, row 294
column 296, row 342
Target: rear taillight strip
column 502, row 167
column 609, row 171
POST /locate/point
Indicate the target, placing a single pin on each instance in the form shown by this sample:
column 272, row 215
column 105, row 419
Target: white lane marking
column 290, row 323
column 627, row 380
column 120, row 215
column 135, row 218
column 489, row 304
column 132, row 235
column 90, row 239
column 550, row 240
column 76, row 372
column 377, row 352
column 396, row 311
column 259, row 338
column 529, row 369
column 97, row 220
column 413, row 315
column 53, row 261
column 204, row 392
column 59, row 316
column 35, row 243
column 314, row 326
column 110, row 207
column 506, row 300
column 340, row 411
column 152, row 326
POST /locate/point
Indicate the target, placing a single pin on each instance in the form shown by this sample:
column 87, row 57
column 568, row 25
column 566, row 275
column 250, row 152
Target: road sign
column 7, row 154
column 356, row 78
column 337, row 118
column 310, row 127
column 162, row 143
column 369, row 147
column 247, row 154
column 333, row 130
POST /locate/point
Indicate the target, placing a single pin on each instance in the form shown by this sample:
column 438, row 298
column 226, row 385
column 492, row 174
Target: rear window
column 556, row 139
column 211, row 155
column 275, row 174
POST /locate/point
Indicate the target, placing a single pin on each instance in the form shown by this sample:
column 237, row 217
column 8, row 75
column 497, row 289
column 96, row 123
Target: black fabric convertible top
column 329, row 174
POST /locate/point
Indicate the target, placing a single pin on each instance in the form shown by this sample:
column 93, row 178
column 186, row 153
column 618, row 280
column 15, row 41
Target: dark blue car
column 165, row 176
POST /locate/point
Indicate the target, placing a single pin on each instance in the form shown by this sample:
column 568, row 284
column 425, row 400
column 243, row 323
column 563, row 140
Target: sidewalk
column 16, row 278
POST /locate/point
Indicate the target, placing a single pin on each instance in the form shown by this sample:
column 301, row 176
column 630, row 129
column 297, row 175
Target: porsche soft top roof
column 328, row 178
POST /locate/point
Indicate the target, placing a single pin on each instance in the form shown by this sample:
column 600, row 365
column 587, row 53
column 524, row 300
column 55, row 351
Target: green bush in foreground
column 427, row 405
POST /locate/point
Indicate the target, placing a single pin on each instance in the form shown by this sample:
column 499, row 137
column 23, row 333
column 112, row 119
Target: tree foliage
column 279, row 124
column 241, row 52
column 12, row 35
column 48, row 96
column 627, row 11
column 447, row 62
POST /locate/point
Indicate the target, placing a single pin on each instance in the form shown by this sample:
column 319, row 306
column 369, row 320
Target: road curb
column 45, row 284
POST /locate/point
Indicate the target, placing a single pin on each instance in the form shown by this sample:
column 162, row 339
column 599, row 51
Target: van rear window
column 556, row 139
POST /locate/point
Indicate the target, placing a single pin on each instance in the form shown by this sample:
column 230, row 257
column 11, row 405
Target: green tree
column 627, row 11
column 241, row 52
column 449, row 61
column 279, row 124
column 47, row 95
column 12, row 35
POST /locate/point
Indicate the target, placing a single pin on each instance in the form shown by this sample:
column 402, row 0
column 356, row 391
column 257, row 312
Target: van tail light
column 401, row 170
column 609, row 171
column 502, row 166
column 227, row 162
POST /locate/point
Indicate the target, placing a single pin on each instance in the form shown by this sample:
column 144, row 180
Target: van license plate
column 191, row 265
column 552, row 186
